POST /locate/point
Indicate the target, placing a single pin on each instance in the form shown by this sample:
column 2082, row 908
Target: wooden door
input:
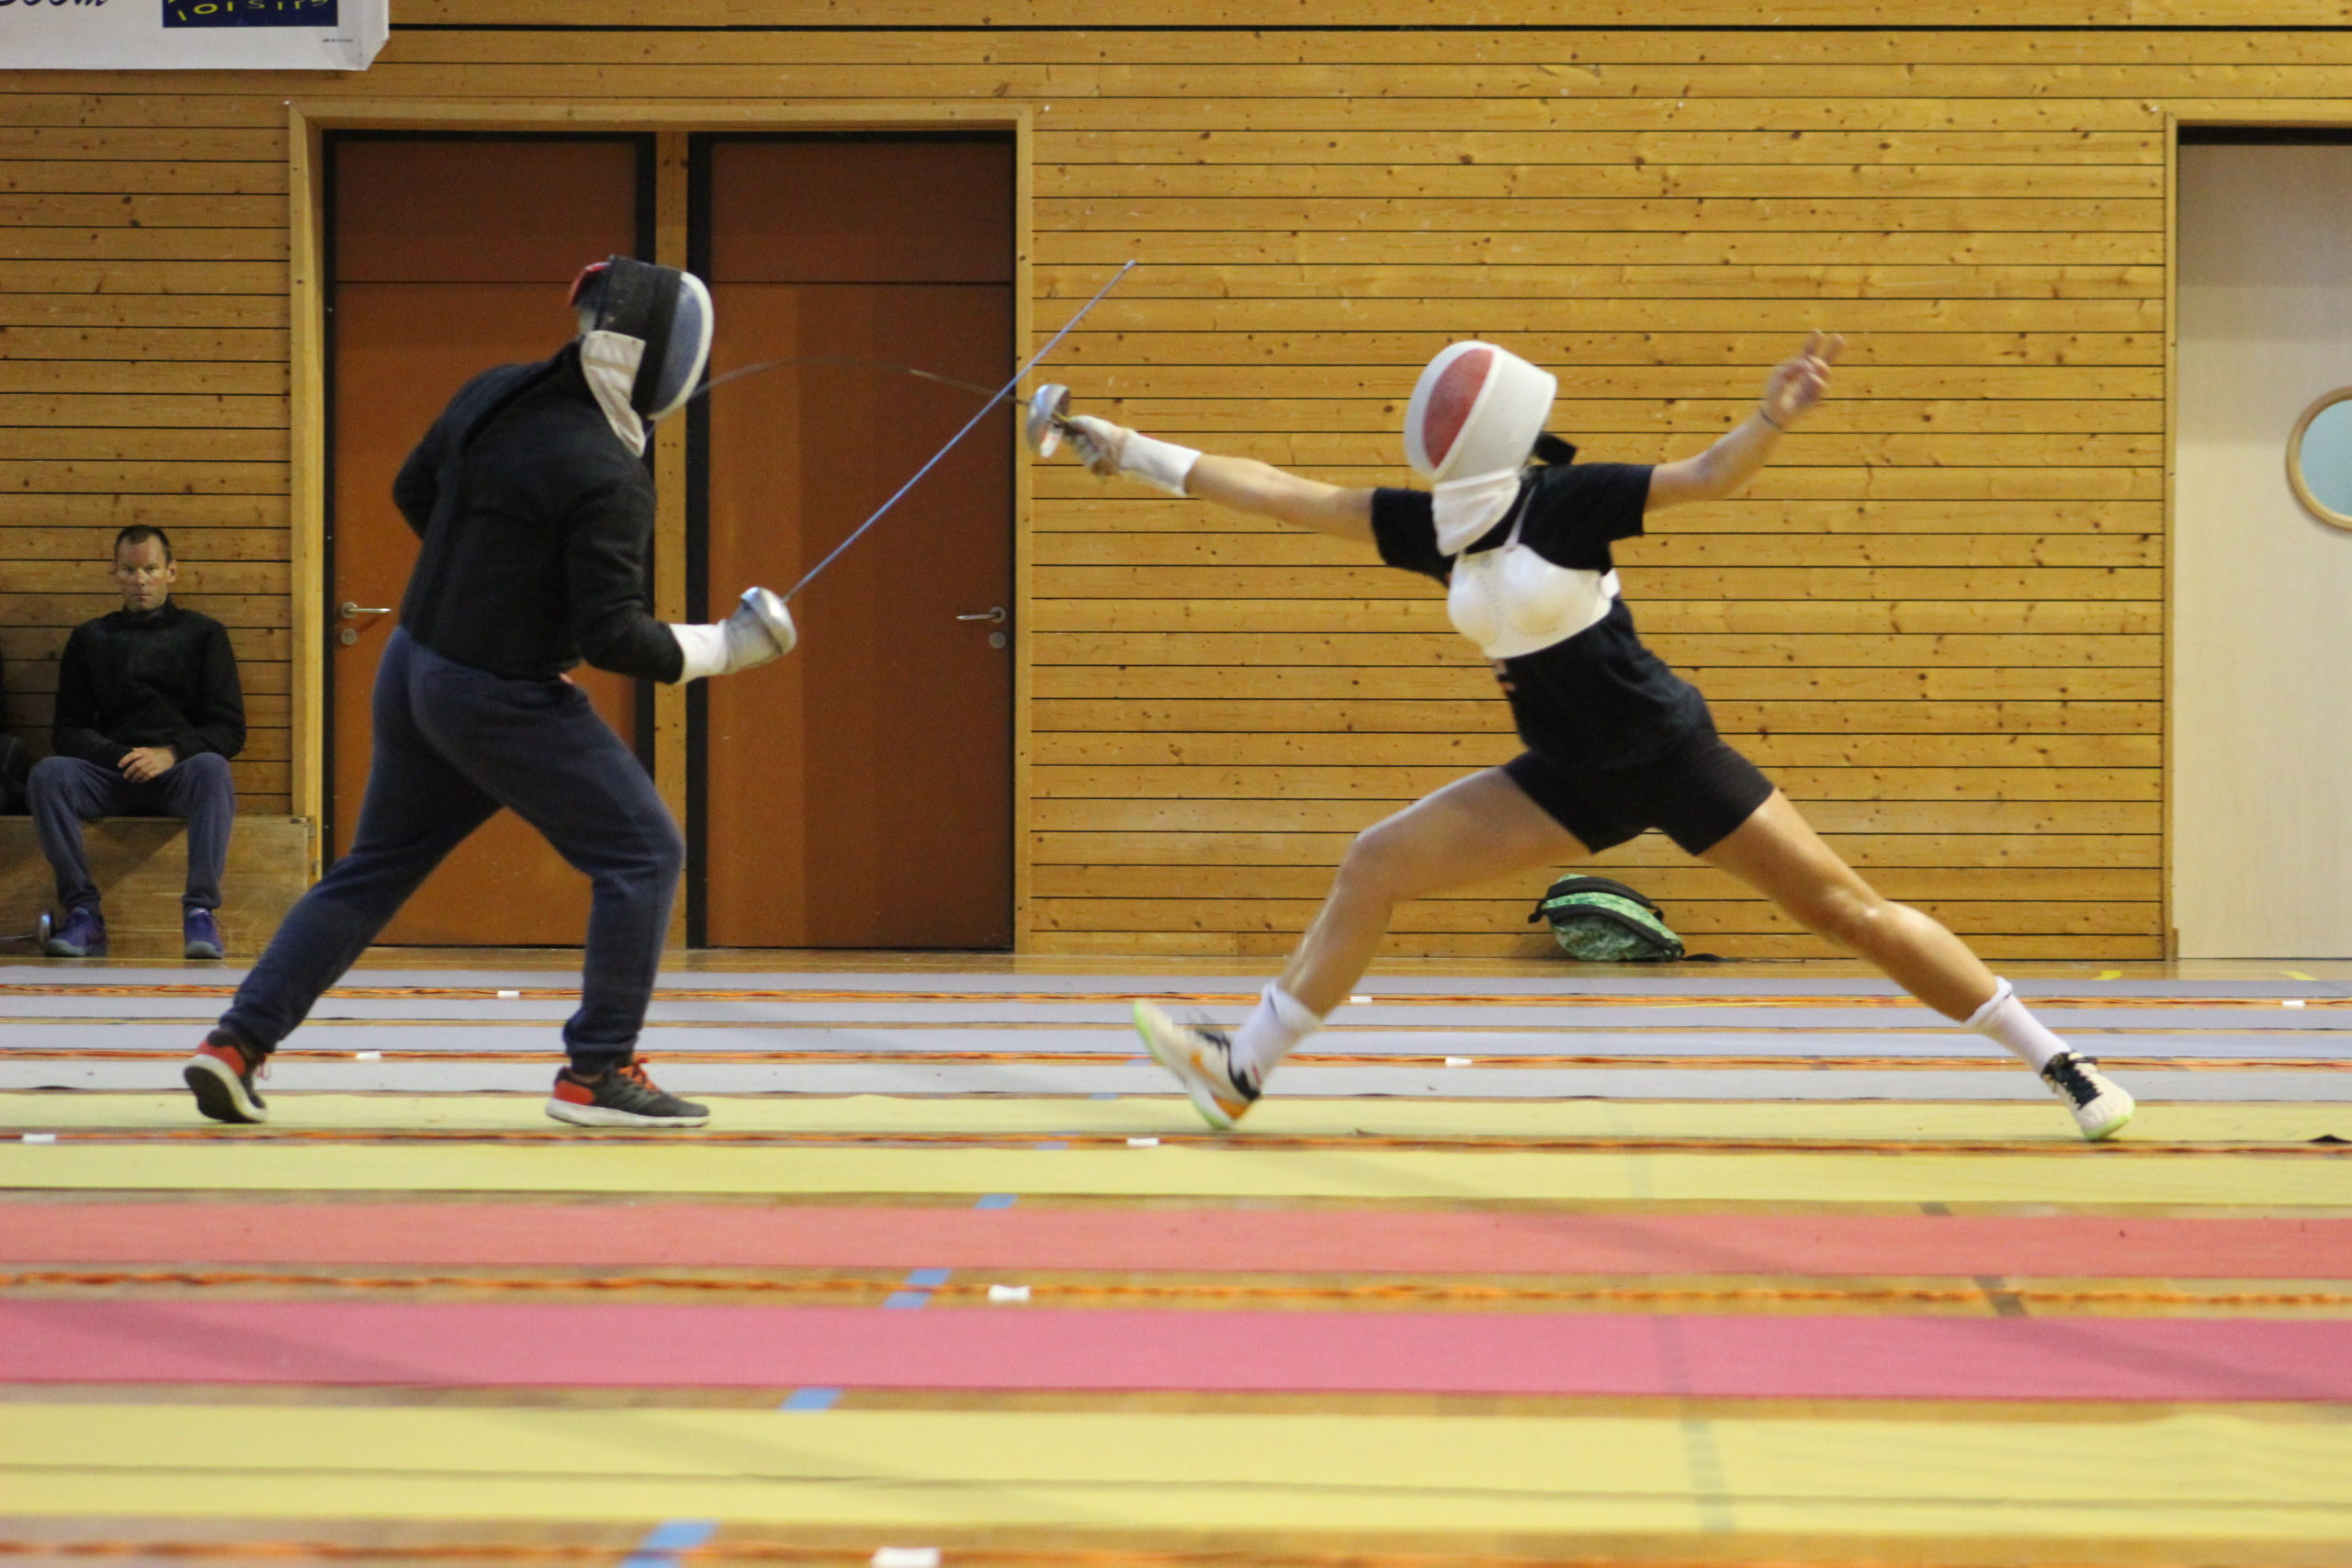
column 859, row 793
column 449, row 255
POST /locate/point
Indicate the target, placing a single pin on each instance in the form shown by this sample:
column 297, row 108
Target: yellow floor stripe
column 1166, row 1113
column 585, row 1166
column 2031, row 1120
column 2190, row 1475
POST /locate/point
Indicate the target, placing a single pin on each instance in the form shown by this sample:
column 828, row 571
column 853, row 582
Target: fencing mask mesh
column 1477, row 410
column 667, row 310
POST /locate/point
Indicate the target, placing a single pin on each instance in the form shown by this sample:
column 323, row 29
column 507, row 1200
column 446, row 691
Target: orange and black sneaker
column 223, row 1073
column 622, row 1097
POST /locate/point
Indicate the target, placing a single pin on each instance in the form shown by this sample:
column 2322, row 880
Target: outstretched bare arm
column 1242, row 483
column 1793, row 388
column 1247, row 485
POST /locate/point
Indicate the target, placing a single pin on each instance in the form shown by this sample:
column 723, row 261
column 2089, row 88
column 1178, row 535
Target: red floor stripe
column 467, row 1344
column 1273, row 1241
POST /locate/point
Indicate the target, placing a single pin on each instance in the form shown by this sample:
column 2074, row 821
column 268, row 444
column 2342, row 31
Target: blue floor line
column 811, row 1400
column 664, row 1541
column 920, row 1284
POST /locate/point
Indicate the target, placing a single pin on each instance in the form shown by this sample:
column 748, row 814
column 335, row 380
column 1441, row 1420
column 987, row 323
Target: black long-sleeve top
column 538, row 527
column 160, row 677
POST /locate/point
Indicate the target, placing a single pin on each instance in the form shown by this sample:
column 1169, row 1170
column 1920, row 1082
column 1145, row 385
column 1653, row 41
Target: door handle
column 351, row 610
column 995, row 616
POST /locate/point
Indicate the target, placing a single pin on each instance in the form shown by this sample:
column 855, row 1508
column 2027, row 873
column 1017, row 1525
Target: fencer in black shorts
column 1520, row 534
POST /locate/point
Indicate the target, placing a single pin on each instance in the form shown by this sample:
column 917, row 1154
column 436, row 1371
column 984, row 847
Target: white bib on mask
column 1510, row 601
column 1465, row 509
column 609, row 361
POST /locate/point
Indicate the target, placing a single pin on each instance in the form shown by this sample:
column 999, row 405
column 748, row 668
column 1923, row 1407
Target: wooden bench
column 141, row 867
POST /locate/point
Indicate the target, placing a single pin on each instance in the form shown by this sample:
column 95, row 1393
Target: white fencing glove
column 759, row 630
column 1114, row 449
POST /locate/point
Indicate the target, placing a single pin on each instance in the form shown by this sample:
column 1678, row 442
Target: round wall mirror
column 2319, row 459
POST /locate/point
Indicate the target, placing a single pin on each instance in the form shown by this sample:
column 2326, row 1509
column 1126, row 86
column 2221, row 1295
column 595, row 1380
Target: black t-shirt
column 1598, row 699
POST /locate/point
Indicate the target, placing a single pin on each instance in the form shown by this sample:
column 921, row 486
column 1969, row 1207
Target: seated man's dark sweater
column 161, row 677
column 149, row 711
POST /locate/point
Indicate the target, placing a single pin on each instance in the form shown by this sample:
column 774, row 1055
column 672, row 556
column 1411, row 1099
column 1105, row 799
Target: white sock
column 1277, row 1022
column 2006, row 1021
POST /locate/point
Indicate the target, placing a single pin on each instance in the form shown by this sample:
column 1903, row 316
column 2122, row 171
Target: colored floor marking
column 2194, row 1476
column 1718, row 1154
column 918, row 1286
column 811, row 1400
column 664, row 1541
column 2037, row 1119
column 1041, row 1237
column 503, row 1345
column 2310, row 1082
column 2083, row 1177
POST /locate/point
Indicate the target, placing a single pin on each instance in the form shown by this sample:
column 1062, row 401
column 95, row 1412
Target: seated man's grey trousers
column 62, row 793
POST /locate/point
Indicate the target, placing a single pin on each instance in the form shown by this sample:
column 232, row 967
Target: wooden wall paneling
column 2126, row 18
column 1942, row 612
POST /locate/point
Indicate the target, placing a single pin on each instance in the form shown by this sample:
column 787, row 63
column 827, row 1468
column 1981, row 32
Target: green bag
column 1602, row 921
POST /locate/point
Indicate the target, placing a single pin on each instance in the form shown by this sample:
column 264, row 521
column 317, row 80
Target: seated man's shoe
column 200, row 933
column 84, row 935
column 222, row 1075
column 623, row 1096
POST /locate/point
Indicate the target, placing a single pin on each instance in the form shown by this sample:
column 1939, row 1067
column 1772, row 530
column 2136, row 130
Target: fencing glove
column 759, row 630
column 1114, row 449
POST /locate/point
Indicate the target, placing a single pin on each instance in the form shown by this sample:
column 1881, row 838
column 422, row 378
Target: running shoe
column 624, row 1096
column 223, row 1073
column 2100, row 1107
column 1201, row 1060
column 199, row 934
column 84, row 935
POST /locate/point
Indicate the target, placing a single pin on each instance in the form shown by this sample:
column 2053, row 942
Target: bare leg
column 1778, row 854
column 1473, row 830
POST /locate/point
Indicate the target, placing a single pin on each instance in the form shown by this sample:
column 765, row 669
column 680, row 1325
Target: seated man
column 148, row 715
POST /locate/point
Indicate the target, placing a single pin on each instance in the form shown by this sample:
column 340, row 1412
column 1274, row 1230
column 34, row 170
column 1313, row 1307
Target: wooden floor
column 1517, row 1263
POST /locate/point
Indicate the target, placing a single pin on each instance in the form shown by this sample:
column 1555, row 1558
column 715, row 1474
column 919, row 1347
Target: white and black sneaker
column 2100, row 1107
column 623, row 1096
column 1201, row 1060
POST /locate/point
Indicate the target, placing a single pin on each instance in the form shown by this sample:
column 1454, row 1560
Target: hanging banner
column 192, row 34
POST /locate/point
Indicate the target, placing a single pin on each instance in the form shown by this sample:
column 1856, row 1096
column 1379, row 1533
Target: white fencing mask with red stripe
column 1471, row 426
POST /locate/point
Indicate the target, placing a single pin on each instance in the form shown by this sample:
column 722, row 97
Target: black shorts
column 1697, row 795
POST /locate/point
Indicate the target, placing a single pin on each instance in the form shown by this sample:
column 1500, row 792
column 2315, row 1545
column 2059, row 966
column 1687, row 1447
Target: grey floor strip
column 1113, row 1040
column 883, row 1077
column 193, row 1013
column 1571, row 981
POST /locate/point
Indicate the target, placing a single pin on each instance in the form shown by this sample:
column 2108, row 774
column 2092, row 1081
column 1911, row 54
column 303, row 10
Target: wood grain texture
column 1938, row 619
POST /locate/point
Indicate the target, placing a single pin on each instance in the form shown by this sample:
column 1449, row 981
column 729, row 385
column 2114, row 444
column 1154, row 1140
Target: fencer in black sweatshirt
column 537, row 528
column 532, row 499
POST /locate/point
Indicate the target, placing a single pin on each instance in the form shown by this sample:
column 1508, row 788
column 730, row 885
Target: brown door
column 450, row 255
column 859, row 793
